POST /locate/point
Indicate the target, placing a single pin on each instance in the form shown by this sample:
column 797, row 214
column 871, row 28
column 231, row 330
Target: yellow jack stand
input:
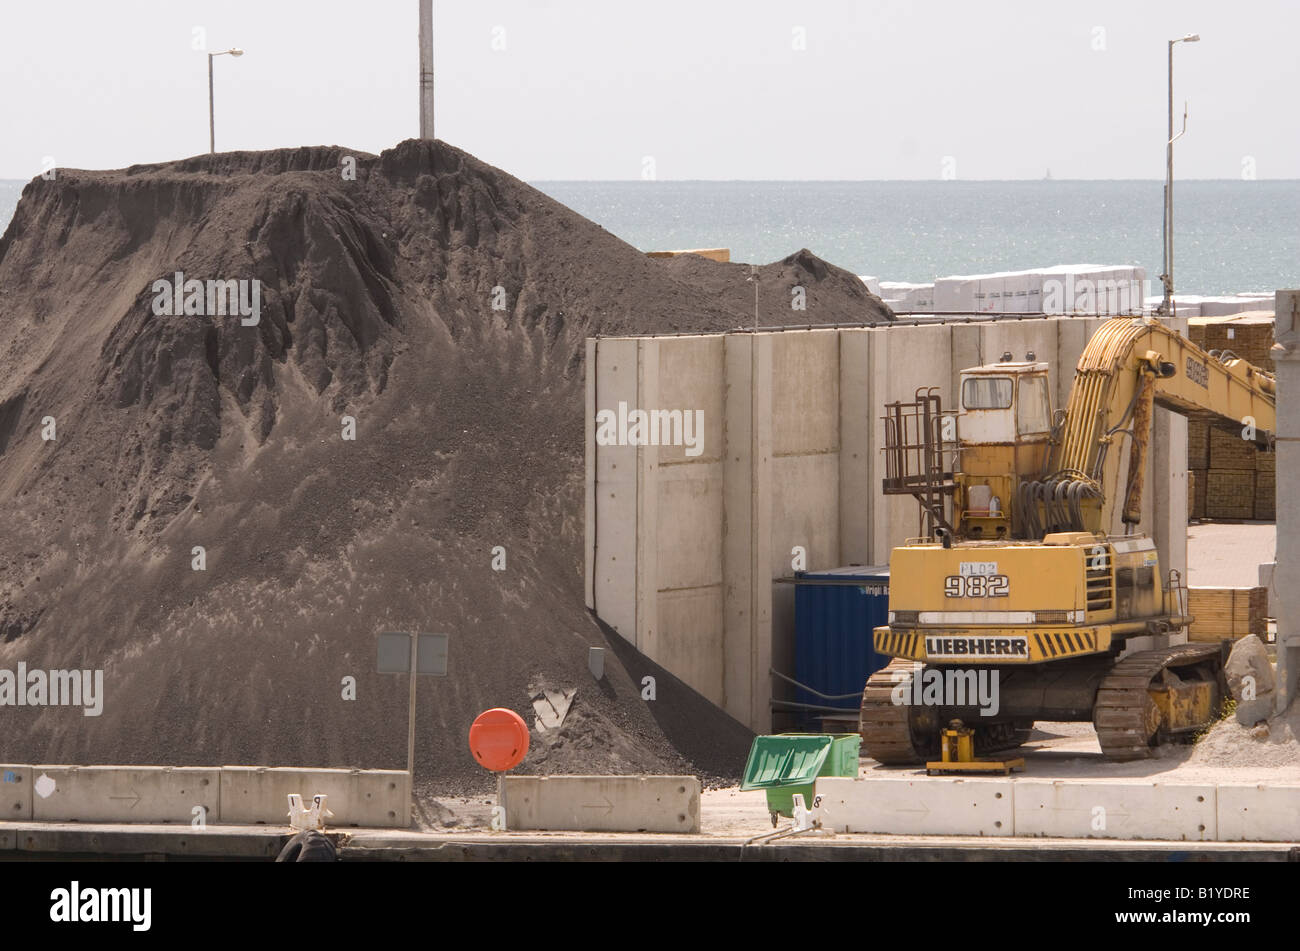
column 959, row 755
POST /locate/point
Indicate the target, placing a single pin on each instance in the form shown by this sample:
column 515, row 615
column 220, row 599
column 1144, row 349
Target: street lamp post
column 212, row 118
column 1167, row 232
column 426, row 69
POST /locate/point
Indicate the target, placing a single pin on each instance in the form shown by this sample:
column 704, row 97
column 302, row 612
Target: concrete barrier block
column 601, row 803
column 378, row 798
column 1258, row 813
column 1103, row 810
column 15, row 793
column 915, row 807
column 123, row 793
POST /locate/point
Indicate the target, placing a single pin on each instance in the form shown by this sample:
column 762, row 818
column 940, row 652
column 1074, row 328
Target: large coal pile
column 440, row 304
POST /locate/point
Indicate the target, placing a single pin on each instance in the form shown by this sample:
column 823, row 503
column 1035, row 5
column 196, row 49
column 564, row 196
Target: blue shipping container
column 834, row 613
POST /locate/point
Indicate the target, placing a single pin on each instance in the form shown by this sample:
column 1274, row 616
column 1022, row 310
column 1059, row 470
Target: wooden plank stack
column 1249, row 335
column 1227, row 613
column 1228, row 477
column 1266, row 485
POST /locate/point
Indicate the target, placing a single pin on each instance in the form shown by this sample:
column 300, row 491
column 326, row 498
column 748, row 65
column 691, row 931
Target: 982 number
column 976, row 586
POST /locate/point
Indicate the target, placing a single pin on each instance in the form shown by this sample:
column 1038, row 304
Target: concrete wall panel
column 915, row 806
column 1111, row 810
column 740, row 529
column 690, row 525
column 690, row 640
column 15, row 792
column 1258, row 812
column 858, row 486
column 126, row 793
column 615, row 491
column 601, row 803
column 690, row 378
column 372, row 798
column 805, row 511
column 805, row 392
column 647, row 506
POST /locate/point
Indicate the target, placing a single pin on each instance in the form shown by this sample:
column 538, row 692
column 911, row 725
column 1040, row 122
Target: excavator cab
column 1004, row 432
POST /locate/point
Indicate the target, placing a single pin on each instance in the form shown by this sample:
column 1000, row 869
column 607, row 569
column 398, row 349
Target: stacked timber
column 1266, row 485
column 1228, row 477
column 1227, row 613
column 1249, row 335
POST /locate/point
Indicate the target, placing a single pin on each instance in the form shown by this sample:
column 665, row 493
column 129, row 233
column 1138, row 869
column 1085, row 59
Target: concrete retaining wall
column 125, row 793
column 376, row 797
column 1258, row 813
column 1116, row 810
column 916, row 807
column 601, row 803
column 15, row 793
column 1178, row 812
column 243, row 794
column 682, row 548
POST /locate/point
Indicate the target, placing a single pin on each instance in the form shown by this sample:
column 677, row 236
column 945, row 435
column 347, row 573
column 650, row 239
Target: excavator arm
column 1130, row 366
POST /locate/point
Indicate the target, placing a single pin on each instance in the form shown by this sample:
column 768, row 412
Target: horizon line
column 828, row 181
column 882, row 181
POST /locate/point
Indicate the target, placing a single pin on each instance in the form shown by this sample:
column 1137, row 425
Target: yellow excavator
column 1018, row 576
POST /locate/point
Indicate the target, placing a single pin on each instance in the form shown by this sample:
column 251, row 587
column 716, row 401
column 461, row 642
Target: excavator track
column 892, row 733
column 1127, row 721
column 895, row 734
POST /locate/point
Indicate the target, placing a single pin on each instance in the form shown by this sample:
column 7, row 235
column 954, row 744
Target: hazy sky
column 711, row 89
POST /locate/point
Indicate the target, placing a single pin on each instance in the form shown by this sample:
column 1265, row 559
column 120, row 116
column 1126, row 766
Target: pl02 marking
column 977, row 648
column 976, row 586
column 1198, row 372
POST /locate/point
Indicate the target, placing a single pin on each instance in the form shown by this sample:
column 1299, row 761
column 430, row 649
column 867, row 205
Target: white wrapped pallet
column 873, row 284
column 988, row 299
column 1059, row 294
column 910, row 296
column 1226, row 306
column 1114, row 289
column 956, row 294
column 923, row 299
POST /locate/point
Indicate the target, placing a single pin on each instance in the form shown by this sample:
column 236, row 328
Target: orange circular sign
column 498, row 739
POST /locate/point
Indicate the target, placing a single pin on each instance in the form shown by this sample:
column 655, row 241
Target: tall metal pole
column 426, row 69
column 410, row 715
column 212, row 121
column 1168, row 231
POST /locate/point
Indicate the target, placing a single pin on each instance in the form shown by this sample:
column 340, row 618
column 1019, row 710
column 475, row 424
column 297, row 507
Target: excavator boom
column 1129, row 366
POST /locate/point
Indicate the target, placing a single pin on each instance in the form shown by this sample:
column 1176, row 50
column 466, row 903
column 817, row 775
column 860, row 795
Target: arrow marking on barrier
column 134, row 797
column 608, row 807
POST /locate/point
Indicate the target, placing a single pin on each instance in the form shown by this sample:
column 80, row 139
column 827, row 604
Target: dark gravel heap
column 175, row 432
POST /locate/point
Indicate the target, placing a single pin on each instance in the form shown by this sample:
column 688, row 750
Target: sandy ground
column 1229, row 555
